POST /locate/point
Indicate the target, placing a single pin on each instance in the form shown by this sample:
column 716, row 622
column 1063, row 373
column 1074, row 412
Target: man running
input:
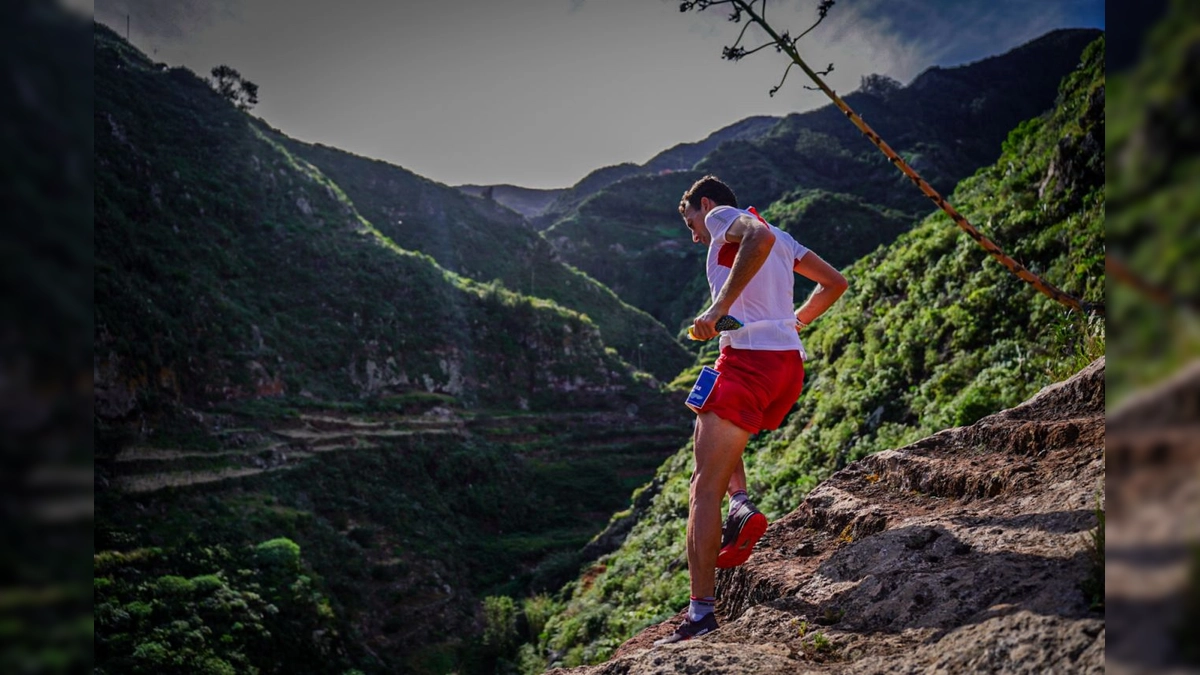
column 761, row 373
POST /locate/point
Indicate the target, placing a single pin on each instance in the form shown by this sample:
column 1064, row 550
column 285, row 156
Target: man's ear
column 706, row 205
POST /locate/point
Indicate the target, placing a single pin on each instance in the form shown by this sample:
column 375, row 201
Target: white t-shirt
column 765, row 306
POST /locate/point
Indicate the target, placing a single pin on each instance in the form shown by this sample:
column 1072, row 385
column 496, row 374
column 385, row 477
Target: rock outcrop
column 1152, row 581
column 968, row 551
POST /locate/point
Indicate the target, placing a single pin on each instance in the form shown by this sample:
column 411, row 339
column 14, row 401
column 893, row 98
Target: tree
column 880, row 86
column 236, row 89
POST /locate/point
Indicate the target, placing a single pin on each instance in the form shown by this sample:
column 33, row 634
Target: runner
column 754, row 382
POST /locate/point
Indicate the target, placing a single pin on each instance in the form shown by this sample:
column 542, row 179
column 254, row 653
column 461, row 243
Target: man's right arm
column 830, row 286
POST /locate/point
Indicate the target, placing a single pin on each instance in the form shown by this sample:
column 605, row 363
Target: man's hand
column 704, row 327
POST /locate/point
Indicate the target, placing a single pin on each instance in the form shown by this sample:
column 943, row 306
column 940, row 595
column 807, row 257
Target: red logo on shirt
column 726, row 255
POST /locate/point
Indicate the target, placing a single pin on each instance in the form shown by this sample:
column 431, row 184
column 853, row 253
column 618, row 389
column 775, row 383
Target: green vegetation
column 241, row 295
column 1154, row 206
column 947, row 123
column 212, row 610
column 630, row 238
column 230, row 84
column 489, row 412
column 931, row 334
column 816, row 645
column 421, row 525
column 478, row 240
column 229, row 268
column 841, row 228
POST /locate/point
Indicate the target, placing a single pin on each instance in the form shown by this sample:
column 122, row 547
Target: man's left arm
column 830, row 286
column 755, row 240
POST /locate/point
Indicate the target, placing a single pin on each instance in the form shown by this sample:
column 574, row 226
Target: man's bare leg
column 718, row 447
column 737, row 482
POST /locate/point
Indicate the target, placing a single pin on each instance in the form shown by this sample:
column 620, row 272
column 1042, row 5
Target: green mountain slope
column 228, row 268
column 947, row 123
column 312, row 440
column 839, row 226
column 621, row 235
column 676, row 158
column 586, row 187
column 483, row 241
column 931, row 334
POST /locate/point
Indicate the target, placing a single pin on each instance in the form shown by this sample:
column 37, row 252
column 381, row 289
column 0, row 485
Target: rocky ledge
column 968, row 551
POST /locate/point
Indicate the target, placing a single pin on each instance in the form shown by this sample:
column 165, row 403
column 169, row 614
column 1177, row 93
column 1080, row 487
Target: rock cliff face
column 968, row 551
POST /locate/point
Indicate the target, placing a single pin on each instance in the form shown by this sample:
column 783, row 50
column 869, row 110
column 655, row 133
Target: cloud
column 908, row 36
column 871, row 42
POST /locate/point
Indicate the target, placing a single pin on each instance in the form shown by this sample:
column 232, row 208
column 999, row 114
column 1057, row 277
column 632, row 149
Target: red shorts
column 756, row 388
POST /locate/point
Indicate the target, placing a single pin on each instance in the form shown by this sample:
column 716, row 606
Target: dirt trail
column 964, row 552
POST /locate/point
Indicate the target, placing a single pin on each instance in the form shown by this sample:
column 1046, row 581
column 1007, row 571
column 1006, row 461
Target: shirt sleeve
column 799, row 250
column 718, row 221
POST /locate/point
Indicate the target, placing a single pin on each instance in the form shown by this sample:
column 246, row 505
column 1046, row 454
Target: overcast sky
column 540, row 92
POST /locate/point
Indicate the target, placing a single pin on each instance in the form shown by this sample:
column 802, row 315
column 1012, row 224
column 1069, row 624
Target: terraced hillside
column 416, row 510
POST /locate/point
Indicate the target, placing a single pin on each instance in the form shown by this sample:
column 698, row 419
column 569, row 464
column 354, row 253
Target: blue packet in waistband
column 702, row 389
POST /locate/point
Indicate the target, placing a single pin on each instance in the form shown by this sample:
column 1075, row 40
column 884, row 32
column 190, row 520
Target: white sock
column 737, row 499
column 700, row 608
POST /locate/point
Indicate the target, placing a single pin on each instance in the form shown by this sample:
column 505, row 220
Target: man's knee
column 704, row 502
column 708, row 487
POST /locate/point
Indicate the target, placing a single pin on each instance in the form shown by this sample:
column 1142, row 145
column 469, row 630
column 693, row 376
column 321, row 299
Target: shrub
column 500, row 623
column 152, row 654
column 171, row 585
column 538, row 611
column 281, row 553
column 207, row 584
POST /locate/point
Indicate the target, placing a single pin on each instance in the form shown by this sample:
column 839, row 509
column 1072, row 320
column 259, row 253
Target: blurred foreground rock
column 1153, row 571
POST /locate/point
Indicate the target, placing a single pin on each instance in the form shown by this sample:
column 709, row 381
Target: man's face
column 694, row 218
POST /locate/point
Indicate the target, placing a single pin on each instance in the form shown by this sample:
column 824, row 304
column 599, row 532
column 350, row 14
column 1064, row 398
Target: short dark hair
column 710, row 186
